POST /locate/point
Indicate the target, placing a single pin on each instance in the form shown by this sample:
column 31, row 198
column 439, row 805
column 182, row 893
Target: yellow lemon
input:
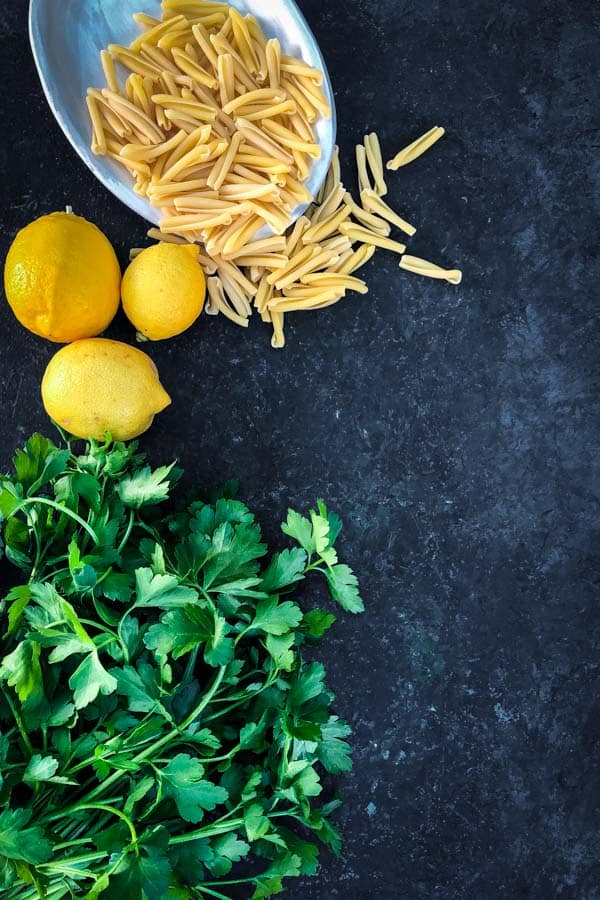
column 163, row 290
column 96, row 385
column 62, row 278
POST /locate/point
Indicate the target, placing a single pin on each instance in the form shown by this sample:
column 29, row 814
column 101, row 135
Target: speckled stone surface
column 455, row 429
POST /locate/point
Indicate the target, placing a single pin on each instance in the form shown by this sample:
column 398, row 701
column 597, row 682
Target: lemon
column 96, row 385
column 62, row 278
column 163, row 290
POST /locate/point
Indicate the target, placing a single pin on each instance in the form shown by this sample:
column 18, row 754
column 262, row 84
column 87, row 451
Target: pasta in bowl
column 67, row 43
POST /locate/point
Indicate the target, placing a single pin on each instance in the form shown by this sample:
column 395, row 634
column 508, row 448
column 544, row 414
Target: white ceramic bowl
column 67, row 37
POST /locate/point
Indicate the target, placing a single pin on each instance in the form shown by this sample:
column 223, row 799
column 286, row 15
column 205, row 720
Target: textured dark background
column 455, row 429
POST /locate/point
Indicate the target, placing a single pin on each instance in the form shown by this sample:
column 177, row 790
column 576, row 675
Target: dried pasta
column 416, row 149
column 375, row 161
column 215, row 123
column 430, row 270
column 204, row 64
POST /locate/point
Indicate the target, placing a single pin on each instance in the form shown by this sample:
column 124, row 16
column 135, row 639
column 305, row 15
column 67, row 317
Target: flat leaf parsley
column 161, row 733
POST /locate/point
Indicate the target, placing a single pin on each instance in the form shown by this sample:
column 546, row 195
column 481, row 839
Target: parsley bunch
column 161, row 735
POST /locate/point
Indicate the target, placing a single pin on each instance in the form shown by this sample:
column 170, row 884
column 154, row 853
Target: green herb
column 161, row 734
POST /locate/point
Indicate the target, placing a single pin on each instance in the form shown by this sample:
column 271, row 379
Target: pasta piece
column 375, row 160
column 223, row 165
column 258, row 114
column 263, row 142
column 134, row 62
column 189, row 67
column 203, row 40
column 373, row 223
column 219, row 303
column 318, row 260
column 313, row 94
column 295, row 235
column 308, row 109
column 263, row 295
column 140, row 97
column 262, row 73
column 295, row 261
column 273, row 54
column 145, row 21
column 226, row 78
column 330, row 204
column 313, row 300
column 339, row 244
column 235, row 295
column 297, row 67
column 270, row 261
column 243, row 41
column 300, row 126
column 358, row 233
column 287, row 138
column 278, row 339
column 416, row 149
column 137, row 117
column 430, row 270
column 323, row 230
column 273, row 244
column 364, row 182
column 160, row 59
column 302, row 165
column 158, row 235
column 373, row 203
column 108, row 66
column 336, row 280
column 356, row 260
column 158, row 31
column 99, row 139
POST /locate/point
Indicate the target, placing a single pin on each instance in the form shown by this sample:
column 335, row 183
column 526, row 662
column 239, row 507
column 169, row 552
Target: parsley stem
column 61, row 509
column 216, row 829
column 78, row 843
column 245, row 699
column 208, row 831
column 121, row 815
column 166, row 739
column 128, row 531
column 204, row 890
column 19, row 721
column 87, row 857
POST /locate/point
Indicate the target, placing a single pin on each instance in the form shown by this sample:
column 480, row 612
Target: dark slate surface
column 455, row 429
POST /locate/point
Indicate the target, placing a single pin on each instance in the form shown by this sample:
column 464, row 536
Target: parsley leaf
column 22, row 671
column 90, row 679
column 284, row 569
column 40, row 768
column 316, row 622
column 146, row 487
column 276, row 618
column 144, row 871
column 183, row 781
column 182, row 630
column 21, row 841
column 162, row 591
column 332, row 751
column 343, row 585
column 301, row 530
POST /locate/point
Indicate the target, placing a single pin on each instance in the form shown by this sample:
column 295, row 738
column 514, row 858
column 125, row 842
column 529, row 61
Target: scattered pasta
column 416, row 149
column 430, row 270
column 215, row 124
